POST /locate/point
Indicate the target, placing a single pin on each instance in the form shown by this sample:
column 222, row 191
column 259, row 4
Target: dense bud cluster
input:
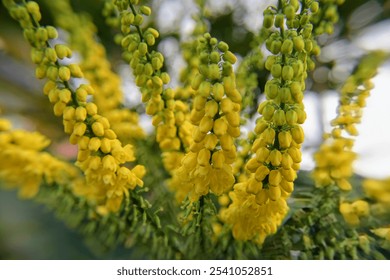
column 276, row 151
column 231, row 187
column 215, row 115
column 326, row 15
column 108, row 95
column 169, row 114
column 335, row 156
column 101, row 155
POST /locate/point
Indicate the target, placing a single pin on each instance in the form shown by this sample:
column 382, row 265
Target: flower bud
column 274, row 193
column 269, row 135
column 94, row 144
column 222, row 46
column 262, row 154
column 79, row 128
column 287, row 47
column 268, row 21
column 64, row 73
column 210, row 141
column 287, row 161
column 212, row 108
column 287, row 186
column 285, row 139
column 297, row 134
column 295, row 154
column 261, row 197
column 62, row 51
column 204, row 157
column 276, row 70
column 226, row 142
column 289, row 11
column 261, row 172
column 229, row 57
column 65, row 95
column 218, row 159
column 279, row 20
column 145, row 10
column 75, row 70
column 206, row 124
column 105, row 145
column 279, row 117
column 98, row 129
column 287, row 73
column 218, row 91
column 220, row 127
column 275, row 157
column 80, row 114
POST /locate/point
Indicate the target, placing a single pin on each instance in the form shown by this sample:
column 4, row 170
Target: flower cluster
column 108, row 95
column 326, row 16
column 24, row 164
column 101, row 155
column 259, row 203
column 353, row 212
column 335, row 156
column 215, row 115
column 169, row 113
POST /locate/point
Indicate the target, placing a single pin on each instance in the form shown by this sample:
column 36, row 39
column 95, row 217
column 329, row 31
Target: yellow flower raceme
column 169, row 114
column 276, row 151
column 24, row 164
column 216, row 118
column 335, row 157
column 101, row 155
column 108, row 95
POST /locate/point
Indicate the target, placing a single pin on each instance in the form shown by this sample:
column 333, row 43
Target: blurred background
column 29, row 231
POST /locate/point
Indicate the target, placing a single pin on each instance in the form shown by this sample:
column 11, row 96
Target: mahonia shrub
column 217, row 173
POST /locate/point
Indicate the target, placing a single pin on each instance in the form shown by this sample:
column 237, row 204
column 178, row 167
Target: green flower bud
column 214, row 57
column 138, row 19
column 299, row 44
column 157, row 63
column 218, row 91
column 143, row 48
column 289, row 11
column 287, row 73
column 223, row 47
column 52, row 73
column 314, row 7
column 308, row 45
column 270, row 61
column 41, row 34
column 291, row 117
column 279, row 20
column 214, row 72
column 51, row 32
column 271, row 90
column 268, row 112
column 276, row 70
column 145, row 10
column 150, row 39
column 51, row 54
column 268, row 21
column 275, row 47
column 284, row 95
column 230, row 57
column 279, row 117
column 287, row 47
